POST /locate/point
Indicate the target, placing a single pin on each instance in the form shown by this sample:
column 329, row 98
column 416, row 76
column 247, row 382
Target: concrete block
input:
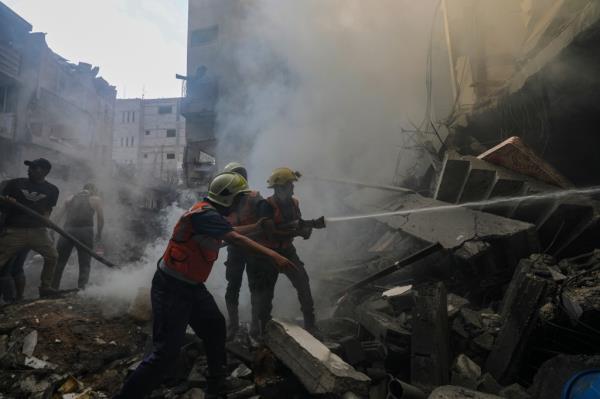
column 319, row 370
column 452, row 392
column 465, row 372
column 522, row 314
column 430, row 361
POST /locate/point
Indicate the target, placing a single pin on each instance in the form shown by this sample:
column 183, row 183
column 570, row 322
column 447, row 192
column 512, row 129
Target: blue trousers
column 175, row 304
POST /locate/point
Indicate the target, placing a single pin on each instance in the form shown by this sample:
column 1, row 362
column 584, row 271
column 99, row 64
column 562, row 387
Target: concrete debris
column 241, row 371
column 319, row 370
column 465, row 372
column 452, row 392
column 430, row 340
column 29, row 343
column 520, row 321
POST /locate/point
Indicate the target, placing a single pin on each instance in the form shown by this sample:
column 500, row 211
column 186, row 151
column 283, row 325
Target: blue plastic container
column 584, row 385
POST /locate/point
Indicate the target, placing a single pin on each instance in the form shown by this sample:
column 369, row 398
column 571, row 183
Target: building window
column 121, row 141
column 171, row 133
column 147, row 132
column 145, row 155
column 203, row 36
column 170, row 156
column 133, row 116
column 165, row 109
column 126, row 141
column 132, row 139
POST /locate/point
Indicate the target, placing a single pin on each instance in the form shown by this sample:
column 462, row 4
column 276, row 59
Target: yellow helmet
column 225, row 187
column 282, row 176
column 236, row 167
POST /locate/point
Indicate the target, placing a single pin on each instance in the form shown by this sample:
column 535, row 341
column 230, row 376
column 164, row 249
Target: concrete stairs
column 565, row 227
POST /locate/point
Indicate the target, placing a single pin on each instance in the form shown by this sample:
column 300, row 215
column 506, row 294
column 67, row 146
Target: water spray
column 495, row 201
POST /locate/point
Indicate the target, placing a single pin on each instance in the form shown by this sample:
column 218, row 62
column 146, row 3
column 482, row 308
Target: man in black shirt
column 25, row 232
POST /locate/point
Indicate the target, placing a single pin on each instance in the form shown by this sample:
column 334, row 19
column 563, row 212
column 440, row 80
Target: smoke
column 117, row 288
column 324, row 87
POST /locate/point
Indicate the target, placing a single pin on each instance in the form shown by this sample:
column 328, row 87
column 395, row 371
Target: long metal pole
column 50, row 224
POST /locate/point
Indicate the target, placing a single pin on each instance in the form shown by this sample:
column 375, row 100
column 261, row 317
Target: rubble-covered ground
column 419, row 339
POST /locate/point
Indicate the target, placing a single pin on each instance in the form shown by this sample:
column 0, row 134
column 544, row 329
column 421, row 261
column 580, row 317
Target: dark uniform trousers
column 262, row 277
column 234, row 274
column 175, row 304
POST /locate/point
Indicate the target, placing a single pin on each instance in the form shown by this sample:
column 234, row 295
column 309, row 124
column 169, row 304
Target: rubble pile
column 65, row 346
column 408, row 341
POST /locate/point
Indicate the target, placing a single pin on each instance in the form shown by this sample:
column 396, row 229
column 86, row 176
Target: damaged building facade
column 50, row 107
column 149, row 139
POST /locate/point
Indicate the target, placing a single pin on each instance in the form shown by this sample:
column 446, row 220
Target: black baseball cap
column 40, row 163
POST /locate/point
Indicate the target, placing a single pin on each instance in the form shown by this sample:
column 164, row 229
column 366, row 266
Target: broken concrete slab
column 451, row 227
column 513, row 154
column 453, row 392
column 384, row 327
column 29, row 343
column 430, row 361
column 522, row 314
column 319, row 370
column 465, row 372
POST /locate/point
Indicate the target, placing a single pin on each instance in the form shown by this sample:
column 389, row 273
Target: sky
column 139, row 45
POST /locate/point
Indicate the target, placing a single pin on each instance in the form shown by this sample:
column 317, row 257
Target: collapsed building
column 49, row 106
column 461, row 293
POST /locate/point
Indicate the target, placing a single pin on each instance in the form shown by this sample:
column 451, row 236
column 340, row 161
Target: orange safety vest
column 278, row 219
column 191, row 256
column 246, row 211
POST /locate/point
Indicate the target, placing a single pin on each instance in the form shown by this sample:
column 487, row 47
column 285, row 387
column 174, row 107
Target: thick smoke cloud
column 325, row 86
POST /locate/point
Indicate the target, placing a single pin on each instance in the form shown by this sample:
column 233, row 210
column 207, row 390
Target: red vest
column 278, row 219
column 189, row 255
column 246, row 211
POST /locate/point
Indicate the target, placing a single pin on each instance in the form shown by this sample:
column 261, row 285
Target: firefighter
column 282, row 211
column 179, row 296
column 243, row 214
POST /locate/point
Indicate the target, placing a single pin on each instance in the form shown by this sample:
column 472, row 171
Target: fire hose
column 51, row 225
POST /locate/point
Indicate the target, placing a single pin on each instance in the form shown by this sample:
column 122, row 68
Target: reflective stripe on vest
column 191, row 255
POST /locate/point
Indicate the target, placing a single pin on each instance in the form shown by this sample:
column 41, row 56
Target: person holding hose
column 243, row 214
column 179, row 296
column 284, row 223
